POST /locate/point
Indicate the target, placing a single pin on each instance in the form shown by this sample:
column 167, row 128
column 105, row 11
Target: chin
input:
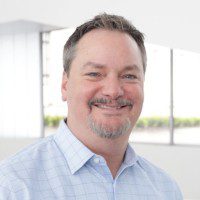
column 109, row 128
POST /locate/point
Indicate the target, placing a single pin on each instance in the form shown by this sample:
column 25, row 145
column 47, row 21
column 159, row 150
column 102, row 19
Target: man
column 89, row 157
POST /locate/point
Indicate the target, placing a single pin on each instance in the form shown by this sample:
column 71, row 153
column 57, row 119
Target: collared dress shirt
column 60, row 167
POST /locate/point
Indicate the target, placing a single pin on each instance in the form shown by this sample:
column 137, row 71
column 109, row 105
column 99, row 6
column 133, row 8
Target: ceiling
column 172, row 23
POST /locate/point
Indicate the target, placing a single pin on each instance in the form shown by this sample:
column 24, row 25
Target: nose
column 112, row 88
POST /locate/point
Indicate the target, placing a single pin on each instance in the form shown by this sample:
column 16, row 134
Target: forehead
column 106, row 38
column 110, row 48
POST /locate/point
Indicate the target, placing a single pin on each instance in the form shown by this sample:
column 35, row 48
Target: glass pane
column 153, row 125
column 186, row 97
column 54, row 107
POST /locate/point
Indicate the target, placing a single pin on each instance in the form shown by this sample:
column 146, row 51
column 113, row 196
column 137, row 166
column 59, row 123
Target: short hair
column 106, row 22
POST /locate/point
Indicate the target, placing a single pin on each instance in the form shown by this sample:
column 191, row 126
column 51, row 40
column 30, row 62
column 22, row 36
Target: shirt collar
column 75, row 152
column 130, row 156
column 130, row 159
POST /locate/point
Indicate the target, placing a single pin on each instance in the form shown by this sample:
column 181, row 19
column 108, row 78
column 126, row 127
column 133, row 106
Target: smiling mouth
column 111, row 107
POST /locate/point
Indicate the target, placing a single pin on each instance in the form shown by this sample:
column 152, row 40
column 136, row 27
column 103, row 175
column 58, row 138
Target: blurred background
column 32, row 36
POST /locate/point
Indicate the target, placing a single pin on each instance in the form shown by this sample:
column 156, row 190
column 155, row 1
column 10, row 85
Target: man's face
column 104, row 89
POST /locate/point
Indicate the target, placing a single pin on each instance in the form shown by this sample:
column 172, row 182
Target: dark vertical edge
column 171, row 122
column 42, row 134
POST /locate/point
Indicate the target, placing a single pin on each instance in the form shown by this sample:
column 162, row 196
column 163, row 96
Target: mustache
column 118, row 102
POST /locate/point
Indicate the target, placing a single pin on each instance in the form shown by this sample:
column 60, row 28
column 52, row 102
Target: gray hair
column 107, row 22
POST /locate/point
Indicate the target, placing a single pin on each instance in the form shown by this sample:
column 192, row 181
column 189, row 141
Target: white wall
column 20, row 83
column 181, row 162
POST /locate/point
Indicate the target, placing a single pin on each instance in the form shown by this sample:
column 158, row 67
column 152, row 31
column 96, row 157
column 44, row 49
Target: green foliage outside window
column 146, row 122
column 52, row 121
column 159, row 122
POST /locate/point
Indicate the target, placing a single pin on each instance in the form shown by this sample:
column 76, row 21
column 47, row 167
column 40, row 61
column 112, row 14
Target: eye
column 93, row 74
column 129, row 76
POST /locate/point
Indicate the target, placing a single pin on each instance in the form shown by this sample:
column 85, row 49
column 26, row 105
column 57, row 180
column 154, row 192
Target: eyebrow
column 132, row 67
column 100, row 66
column 93, row 64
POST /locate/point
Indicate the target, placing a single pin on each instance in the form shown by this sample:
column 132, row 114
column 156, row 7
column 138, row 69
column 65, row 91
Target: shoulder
column 26, row 165
column 150, row 167
column 30, row 152
column 154, row 173
column 159, row 177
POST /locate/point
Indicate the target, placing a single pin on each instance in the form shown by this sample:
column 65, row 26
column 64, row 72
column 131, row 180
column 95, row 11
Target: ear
column 64, row 86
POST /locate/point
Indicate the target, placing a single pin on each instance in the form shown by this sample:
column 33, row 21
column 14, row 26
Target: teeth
column 104, row 106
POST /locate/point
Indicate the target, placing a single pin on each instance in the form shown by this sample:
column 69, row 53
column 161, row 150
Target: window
column 153, row 125
column 54, row 108
column 186, row 97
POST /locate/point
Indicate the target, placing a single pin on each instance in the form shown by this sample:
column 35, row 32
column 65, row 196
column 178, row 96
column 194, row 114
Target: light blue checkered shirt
column 61, row 167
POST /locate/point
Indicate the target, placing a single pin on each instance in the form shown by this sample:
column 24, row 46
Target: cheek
column 136, row 94
column 78, row 97
column 140, row 96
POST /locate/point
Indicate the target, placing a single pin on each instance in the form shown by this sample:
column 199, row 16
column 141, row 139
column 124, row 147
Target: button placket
column 96, row 160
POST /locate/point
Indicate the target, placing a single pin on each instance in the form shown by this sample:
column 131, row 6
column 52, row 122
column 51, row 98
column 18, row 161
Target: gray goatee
column 107, row 131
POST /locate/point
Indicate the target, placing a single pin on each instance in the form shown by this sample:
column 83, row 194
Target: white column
column 20, row 84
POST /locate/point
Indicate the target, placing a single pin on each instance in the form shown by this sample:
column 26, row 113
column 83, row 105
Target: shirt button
column 96, row 160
